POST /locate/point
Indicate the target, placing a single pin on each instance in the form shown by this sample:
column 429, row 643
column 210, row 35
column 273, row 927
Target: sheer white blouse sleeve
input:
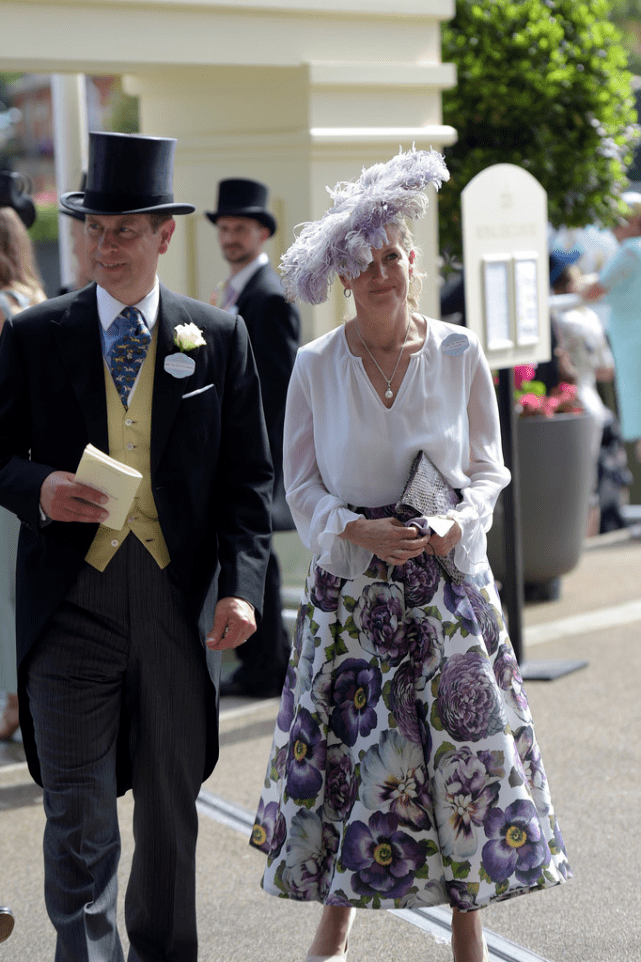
column 343, row 448
column 318, row 515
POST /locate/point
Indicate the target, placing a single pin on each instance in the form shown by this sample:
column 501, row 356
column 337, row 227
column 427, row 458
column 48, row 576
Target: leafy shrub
column 542, row 84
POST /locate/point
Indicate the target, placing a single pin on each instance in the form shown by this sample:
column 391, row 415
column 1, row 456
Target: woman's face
column 385, row 282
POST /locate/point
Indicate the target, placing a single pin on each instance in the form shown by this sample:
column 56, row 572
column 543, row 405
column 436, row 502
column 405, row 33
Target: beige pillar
column 295, row 93
column 68, row 96
column 255, row 122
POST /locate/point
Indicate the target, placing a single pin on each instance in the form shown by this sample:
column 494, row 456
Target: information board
column 505, row 256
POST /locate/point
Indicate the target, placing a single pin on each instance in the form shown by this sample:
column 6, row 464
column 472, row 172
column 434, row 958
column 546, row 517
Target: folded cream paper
column 111, row 477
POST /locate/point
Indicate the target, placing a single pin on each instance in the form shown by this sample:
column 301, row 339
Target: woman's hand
column 387, row 538
column 443, row 546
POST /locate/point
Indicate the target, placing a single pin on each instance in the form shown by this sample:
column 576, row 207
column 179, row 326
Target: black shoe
column 6, row 923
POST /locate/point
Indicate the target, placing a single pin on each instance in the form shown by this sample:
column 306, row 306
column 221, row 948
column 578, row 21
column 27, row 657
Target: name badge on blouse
column 179, row 365
column 455, row 344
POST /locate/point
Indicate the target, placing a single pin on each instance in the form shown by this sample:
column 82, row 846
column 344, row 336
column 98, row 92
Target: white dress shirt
column 235, row 284
column 344, row 448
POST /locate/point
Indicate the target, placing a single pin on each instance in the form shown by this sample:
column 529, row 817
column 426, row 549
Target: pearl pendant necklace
column 388, row 380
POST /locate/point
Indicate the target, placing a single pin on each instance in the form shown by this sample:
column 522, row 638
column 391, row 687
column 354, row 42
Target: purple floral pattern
column 420, row 578
column 516, row 844
column 405, row 769
column 408, row 711
column 508, row 677
column 469, row 705
column 326, row 590
column 342, row 787
column 378, row 616
column 268, row 833
column 357, row 689
column 306, row 758
column 310, row 851
column 382, row 857
column 394, row 779
column 465, row 792
column 530, row 756
column 485, row 618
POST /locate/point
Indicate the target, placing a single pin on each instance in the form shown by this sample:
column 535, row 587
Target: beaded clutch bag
column 427, row 494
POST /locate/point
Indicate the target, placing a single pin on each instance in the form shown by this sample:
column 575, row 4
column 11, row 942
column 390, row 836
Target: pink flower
column 523, row 372
column 531, row 404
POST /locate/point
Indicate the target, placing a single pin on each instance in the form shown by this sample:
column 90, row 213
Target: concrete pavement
column 587, row 723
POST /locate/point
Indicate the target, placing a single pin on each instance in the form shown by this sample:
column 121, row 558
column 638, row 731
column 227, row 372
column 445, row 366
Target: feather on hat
column 341, row 241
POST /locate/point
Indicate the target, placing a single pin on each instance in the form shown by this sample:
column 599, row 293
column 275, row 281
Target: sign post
column 505, row 253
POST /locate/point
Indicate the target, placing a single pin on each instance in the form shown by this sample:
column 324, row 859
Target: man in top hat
column 253, row 291
column 114, row 626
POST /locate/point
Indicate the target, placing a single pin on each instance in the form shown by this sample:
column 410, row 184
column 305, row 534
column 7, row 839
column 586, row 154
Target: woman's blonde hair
column 416, row 280
column 17, row 263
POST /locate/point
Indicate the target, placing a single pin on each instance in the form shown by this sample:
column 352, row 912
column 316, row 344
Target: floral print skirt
column 405, row 769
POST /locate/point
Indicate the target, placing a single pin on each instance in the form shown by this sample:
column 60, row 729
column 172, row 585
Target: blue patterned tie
column 128, row 351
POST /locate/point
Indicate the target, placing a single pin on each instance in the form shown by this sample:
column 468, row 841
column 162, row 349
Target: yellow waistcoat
column 129, row 442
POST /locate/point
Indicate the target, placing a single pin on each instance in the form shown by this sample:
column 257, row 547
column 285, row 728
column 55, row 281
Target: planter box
column 556, row 480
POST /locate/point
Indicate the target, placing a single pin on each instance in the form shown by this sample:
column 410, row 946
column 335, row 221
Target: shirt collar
column 109, row 308
column 239, row 280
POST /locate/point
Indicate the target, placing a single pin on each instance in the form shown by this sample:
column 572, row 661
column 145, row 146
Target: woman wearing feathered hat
column 404, row 770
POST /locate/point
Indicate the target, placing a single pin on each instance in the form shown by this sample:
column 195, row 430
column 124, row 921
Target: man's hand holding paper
column 62, row 498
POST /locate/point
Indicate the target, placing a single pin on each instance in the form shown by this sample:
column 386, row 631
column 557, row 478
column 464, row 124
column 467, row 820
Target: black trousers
column 265, row 655
column 119, row 651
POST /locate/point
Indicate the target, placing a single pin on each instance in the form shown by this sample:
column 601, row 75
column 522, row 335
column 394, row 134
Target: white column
column 68, row 95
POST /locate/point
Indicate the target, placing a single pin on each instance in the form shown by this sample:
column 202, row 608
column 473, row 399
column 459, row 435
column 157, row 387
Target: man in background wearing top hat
column 113, row 626
column 253, row 291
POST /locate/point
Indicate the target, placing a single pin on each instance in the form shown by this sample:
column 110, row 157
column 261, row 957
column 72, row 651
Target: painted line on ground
column 589, row 621
column 255, row 705
column 436, row 920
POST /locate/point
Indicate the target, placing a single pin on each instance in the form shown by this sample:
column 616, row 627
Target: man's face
column 241, row 239
column 123, row 252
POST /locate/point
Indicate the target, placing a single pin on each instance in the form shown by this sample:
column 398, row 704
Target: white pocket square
column 201, row 390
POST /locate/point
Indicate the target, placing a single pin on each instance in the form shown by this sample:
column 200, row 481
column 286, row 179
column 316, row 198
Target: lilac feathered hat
column 341, row 241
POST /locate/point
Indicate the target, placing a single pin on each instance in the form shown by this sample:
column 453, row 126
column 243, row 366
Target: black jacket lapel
column 168, row 390
column 78, row 335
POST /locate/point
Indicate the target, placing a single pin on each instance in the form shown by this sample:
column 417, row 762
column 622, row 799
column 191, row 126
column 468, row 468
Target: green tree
column 123, row 115
column 542, row 84
column 627, row 16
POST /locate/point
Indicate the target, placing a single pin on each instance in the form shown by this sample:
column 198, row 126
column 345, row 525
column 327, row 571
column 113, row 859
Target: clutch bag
column 428, row 494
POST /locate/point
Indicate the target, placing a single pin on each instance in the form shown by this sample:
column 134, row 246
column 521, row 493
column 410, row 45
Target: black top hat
column 74, row 213
column 128, row 174
column 243, row 198
column 14, row 193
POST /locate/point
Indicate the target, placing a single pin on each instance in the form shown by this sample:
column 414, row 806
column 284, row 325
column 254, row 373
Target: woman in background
column 20, row 287
column 620, row 283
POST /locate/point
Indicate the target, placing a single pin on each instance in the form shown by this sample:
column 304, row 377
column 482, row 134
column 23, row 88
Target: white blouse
column 344, row 449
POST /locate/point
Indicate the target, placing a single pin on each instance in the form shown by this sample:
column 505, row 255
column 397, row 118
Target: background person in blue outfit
column 620, row 281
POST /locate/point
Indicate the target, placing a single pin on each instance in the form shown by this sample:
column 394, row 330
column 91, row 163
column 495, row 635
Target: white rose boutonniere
column 188, row 336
